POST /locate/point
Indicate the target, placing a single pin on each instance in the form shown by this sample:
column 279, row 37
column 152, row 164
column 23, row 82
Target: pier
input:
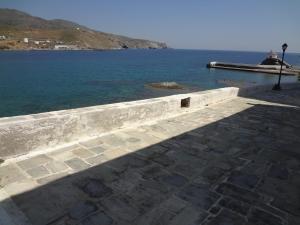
column 271, row 69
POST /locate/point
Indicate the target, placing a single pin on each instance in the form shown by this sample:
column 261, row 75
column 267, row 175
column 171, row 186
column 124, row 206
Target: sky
column 252, row 25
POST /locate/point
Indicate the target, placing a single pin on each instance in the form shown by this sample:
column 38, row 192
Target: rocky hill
column 19, row 30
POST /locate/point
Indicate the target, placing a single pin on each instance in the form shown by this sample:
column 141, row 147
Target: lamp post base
column 276, row 87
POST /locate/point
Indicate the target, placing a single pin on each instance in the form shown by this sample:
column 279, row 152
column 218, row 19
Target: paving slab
column 34, row 161
column 37, row 172
column 77, row 164
column 56, row 166
column 9, row 174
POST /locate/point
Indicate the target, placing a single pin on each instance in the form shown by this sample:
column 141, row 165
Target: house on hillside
column 2, row 37
column 42, row 41
column 66, row 47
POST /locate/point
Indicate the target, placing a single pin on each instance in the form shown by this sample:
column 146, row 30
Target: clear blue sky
column 256, row 25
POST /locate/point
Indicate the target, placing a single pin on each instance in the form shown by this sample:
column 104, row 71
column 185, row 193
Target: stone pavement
column 236, row 163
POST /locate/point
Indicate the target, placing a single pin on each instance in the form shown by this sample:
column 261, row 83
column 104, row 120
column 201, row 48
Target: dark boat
column 271, row 64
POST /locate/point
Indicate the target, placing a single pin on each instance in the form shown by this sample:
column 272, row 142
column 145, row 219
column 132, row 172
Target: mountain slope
column 16, row 25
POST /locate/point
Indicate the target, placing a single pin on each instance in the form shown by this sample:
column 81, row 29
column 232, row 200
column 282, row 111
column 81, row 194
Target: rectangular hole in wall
column 185, row 103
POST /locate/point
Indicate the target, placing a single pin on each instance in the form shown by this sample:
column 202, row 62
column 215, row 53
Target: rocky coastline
column 21, row 31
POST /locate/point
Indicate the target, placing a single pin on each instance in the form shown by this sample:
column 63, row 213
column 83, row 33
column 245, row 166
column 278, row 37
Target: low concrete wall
column 23, row 134
column 252, row 89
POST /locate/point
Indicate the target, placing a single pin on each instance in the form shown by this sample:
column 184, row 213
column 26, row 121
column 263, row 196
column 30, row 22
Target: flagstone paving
column 236, row 162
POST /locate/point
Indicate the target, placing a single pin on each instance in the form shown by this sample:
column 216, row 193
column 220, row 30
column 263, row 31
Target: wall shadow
column 235, row 169
column 289, row 96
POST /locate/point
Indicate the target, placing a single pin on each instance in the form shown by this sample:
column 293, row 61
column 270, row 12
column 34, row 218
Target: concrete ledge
column 23, row 134
column 251, row 89
column 37, row 132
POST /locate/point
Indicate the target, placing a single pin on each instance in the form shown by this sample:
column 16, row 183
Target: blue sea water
column 40, row 81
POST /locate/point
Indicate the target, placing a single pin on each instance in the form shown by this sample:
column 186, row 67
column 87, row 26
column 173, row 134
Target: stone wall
column 23, row 134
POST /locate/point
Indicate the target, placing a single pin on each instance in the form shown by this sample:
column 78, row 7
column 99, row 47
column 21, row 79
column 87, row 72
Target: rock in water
column 166, row 85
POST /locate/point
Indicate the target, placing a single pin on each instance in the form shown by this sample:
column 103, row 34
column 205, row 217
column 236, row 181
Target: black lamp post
column 277, row 86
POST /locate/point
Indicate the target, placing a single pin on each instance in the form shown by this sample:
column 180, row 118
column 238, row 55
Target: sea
column 42, row 81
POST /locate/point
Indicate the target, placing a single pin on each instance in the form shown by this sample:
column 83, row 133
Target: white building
column 66, row 47
column 26, row 40
column 2, row 37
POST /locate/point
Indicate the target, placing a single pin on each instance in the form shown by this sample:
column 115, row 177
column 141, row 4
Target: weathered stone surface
column 81, row 210
column 198, row 195
column 20, row 186
column 279, row 171
column 293, row 220
column 274, row 211
column 56, row 166
column 210, row 175
column 95, row 188
column 215, row 209
column 174, row 180
column 162, row 159
column 83, row 153
column 99, row 218
column 126, row 181
column 115, row 153
column 112, row 140
column 156, row 216
column 285, row 195
column 51, row 178
column 47, row 202
column 146, row 138
column 235, row 205
column 133, row 140
column 238, row 193
column 77, row 164
column 258, row 216
column 152, row 151
column 38, row 172
column 92, row 143
column 97, row 150
column 184, row 164
column 290, row 204
column 189, row 216
column 96, row 160
column 10, row 174
column 174, row 204
column 33, row 162
column 244, row 180
column 149, row 194
column 121, row 207
column 64, row 153
column 153, row 171
column 124, row 163
column 226, row 217
column 254, row 167
column 228, row 163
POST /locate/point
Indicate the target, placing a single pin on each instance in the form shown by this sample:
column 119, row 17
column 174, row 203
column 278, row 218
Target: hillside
column 19, row 30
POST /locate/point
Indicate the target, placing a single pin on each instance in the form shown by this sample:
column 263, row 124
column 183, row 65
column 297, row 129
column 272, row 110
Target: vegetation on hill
column 16, row 25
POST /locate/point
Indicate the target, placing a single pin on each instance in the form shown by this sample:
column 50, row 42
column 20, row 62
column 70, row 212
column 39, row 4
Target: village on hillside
column 8, row 42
